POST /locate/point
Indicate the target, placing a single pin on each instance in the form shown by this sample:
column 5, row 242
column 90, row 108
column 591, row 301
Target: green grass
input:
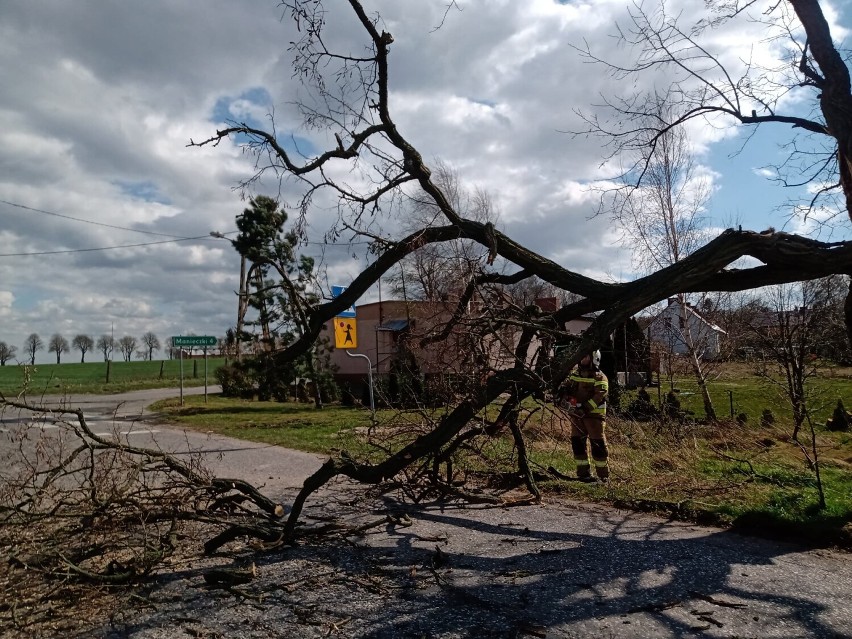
column 751, row 394
column 299, row 426
column 91, row 376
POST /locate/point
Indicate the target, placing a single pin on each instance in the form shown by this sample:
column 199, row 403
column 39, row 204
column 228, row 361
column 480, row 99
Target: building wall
column 460, row 353
column 382, row 346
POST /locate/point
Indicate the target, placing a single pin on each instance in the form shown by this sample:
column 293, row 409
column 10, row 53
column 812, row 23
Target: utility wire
column 106, row 248
column 124, row 228
column 77, row 219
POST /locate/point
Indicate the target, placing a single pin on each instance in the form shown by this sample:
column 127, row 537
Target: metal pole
column 205, row 374
column 369, row 380
column 181, row 376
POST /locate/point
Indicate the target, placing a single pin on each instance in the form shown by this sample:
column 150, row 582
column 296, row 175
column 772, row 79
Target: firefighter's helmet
column 595, row 358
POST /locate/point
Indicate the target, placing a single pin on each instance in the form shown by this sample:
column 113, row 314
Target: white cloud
column 7, row 299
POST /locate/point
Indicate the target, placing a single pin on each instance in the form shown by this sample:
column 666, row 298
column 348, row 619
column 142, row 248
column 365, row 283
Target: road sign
column 194, row 340
column 345, row 333
column 337, row 291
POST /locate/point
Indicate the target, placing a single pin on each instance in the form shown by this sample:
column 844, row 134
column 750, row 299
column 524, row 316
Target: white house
column 668, row 329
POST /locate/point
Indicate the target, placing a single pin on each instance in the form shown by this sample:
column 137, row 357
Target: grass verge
column 298, row 426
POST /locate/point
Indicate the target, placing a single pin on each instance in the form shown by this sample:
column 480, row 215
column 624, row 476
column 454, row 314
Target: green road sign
column 194, row 340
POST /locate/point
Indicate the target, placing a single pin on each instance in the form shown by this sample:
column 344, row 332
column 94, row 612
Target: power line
column 77, row 219
column 124, row 228
column 106, row 248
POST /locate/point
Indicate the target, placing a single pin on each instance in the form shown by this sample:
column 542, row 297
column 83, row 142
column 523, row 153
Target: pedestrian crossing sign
column 345, row 332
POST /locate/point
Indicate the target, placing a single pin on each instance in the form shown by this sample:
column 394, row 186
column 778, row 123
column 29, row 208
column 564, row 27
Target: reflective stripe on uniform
column 582, row 380
column 600, row 464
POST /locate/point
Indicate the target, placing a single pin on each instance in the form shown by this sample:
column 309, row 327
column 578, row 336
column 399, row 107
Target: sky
column 106, row 212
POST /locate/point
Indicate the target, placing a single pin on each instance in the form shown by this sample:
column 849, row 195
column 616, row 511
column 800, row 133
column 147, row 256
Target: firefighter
column 583, row 397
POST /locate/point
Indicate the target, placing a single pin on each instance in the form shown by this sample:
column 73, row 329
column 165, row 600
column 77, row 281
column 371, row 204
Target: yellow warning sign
column 345, row 332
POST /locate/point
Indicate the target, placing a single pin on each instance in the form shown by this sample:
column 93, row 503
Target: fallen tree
column 368, row 139
column 159, row 493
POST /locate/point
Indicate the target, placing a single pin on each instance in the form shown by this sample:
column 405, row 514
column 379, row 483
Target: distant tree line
column 128, row 345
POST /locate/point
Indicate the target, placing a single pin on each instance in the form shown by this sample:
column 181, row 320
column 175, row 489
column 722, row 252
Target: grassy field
column 735, row 389
column 91, row 377
column 745, row 475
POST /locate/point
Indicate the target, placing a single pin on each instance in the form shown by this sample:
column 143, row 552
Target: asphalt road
column 127, row 416
column 553, row 570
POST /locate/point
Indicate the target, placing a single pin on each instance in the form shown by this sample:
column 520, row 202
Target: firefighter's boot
column 581, row 458
column 600, row 454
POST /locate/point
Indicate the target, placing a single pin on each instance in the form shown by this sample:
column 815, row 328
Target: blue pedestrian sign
column 337, row 291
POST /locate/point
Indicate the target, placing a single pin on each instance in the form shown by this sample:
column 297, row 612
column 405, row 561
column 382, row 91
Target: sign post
column 178, row 341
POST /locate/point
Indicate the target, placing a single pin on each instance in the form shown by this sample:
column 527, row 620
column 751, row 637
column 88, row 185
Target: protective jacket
column 589, row 388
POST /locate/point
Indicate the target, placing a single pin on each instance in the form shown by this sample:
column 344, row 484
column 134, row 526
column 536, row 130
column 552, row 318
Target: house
column 676, row 325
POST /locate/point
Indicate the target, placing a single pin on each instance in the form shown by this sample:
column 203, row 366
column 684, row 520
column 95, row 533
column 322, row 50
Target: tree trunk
column 242, row 306
column 523, row 460
column 836, row 98
column 695, row 361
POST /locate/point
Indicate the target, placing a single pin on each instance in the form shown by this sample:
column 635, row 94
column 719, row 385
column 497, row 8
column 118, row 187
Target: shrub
column 840, row 419
column 767, row 418
column 642, row 409
column 347, row 397
column 237, row 380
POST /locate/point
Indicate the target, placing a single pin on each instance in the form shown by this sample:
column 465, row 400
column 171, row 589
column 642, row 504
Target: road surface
column 127, row 416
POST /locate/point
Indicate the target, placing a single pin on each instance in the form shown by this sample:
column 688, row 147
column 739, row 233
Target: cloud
column 7, row 299
column 104, row 98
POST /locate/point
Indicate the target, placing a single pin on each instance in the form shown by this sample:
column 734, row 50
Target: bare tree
column 808, row 89
column 33, row 345
column 789, row 332
column 6, row 353
column 127, row 345
column 662, row 220
column 151, row 343
column 83, row 508
column 833, row 343
column 58, row 344
column 528, row 291
column 83, row 343
column 346, row 96
column 106, row 343
column 439, row 271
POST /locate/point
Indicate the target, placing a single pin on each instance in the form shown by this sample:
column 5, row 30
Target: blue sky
column 108, row 95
